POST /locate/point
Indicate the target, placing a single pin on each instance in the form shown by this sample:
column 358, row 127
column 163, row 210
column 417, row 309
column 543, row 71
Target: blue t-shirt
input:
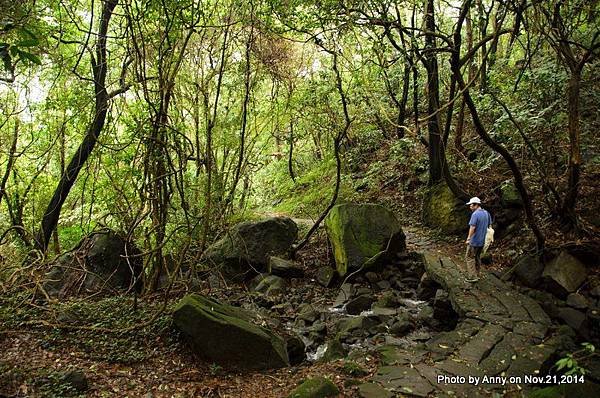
column 481, row 220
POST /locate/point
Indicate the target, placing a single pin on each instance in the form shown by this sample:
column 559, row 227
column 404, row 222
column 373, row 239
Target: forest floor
column 39, row 344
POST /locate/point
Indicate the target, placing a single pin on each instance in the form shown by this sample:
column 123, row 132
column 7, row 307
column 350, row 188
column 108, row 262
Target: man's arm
column 471, row 233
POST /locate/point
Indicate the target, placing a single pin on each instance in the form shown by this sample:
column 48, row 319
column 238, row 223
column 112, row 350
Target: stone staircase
column 501, row 337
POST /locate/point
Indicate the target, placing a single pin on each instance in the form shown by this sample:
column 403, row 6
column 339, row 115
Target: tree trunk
column 433, row 99
column 512, row 164
column 99, row 68
column 11, row 160
column 574, row 168
column 403, row 102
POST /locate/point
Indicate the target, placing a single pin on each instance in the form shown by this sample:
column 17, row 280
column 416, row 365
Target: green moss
column 360, row 233
column 354, row 369
column 335, row 350
column 223, row 334
column 317, row 387
column 441, row 209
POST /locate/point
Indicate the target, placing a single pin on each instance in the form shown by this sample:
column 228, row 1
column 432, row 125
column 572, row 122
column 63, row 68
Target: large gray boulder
column 362, row 235
column 528, row 270
column 244, row 251
column 443, row 210
column 102, row 261
column 564, row 274
column 224, row 334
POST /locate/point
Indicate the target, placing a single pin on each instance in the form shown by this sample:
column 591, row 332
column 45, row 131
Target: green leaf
column 29, row 57
column 28, row 43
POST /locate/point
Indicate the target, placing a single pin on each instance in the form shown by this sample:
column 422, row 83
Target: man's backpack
column 489, row 236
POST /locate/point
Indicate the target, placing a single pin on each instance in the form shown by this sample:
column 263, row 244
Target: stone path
column 501, row 337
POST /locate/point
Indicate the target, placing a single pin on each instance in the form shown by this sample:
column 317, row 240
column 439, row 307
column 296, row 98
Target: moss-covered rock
column 362, row 235
column 246, row 248
column 316, row 387
column 224, row 335
column 443, row 210
column 509, row 195
column 334, row 350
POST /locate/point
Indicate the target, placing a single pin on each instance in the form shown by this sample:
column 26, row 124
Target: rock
column 425, row 315
column 564, row 274
column 76, row 379
column 373, row 390
column 372, row 277
column 223, row 334
column 595, row 292
column 384, row 313
column 334, row 350
column 271, row 285
column 246, row 248
column 317, row 332
column 316, row 387
column 362, row 290
column 441, row 209
column 443, row 311
column 359, row 304
column 528, row 270
column 308, row 313
column 356, row 326
column 574, row 318
column 105, row 261
column 401, row 327
column 509, row 195
column 325, row 276
column 383, row 285
column 362, row 236
column 427, row 287
column 345, row 294
column 593, row 321
column 295, row 350
column 284, row 268
column 578, row 301
column 387, row 299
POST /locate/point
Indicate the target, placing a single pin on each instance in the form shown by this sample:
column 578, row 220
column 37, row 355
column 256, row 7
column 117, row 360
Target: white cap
column 474, row 200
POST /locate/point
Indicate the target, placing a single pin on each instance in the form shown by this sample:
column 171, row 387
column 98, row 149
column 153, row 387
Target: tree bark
column 11, row 160
column 99, row 69
column 574, row 169
column 403, row 101
column 435, row 146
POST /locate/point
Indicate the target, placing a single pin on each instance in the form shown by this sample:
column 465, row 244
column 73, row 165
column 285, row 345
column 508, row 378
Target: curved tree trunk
column 510, row 161
column 99, row 68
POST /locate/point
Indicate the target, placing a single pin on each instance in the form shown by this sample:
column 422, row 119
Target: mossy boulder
column 223, row 334
column 246, row 248
column 509, row 195
column 104, row 261
column 362, row 235
column 334, row 350
column 316, row 387
column 443, row 210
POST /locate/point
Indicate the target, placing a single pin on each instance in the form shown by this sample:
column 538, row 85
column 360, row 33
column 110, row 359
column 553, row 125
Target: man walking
column 478, row 225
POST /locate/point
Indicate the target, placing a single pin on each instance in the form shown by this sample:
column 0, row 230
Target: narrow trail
column 502, row 341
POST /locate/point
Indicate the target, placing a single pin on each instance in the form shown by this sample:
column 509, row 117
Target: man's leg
column 471, row 262
column 477, row 254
